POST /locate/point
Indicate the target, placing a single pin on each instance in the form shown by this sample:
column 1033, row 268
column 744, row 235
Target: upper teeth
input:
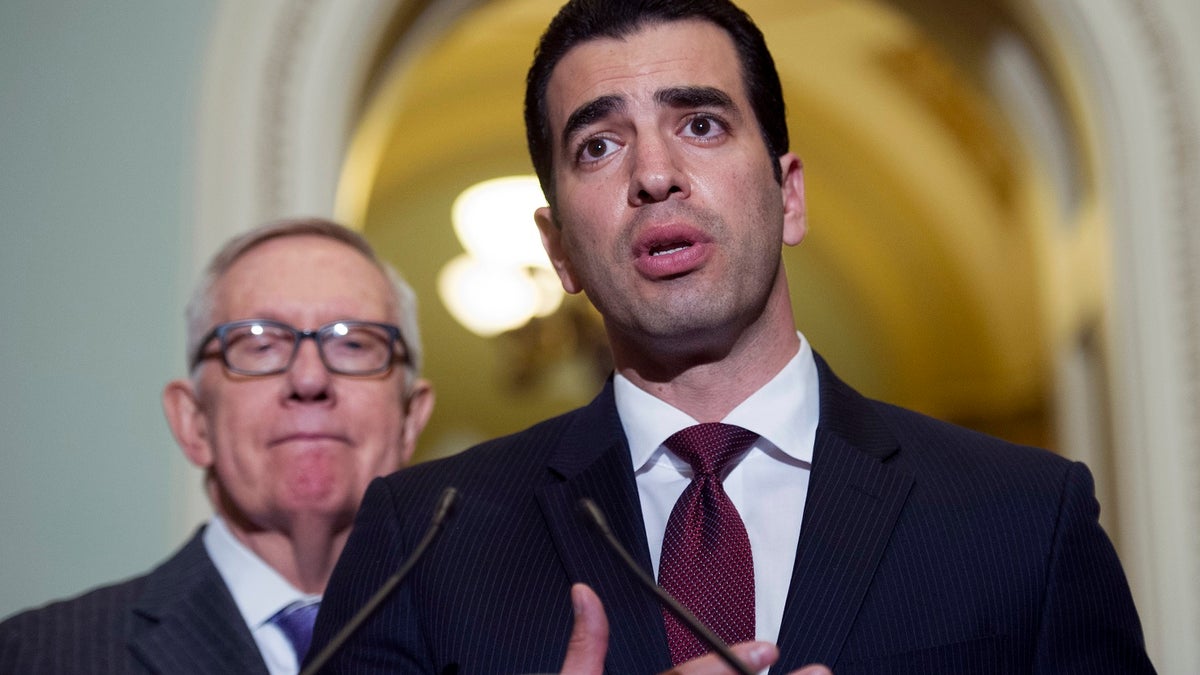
column 668, row 250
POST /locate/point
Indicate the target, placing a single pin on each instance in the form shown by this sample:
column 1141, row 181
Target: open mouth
column 667, row 249
column 671, row 252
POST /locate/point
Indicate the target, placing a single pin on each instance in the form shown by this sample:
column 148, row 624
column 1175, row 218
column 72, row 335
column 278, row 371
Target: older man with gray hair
column 288, row 434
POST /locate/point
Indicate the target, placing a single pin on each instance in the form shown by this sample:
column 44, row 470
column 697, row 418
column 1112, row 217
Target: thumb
column 589, row 636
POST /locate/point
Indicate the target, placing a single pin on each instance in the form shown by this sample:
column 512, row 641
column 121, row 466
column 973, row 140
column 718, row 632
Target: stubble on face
column 691, row 310
column 727, row 193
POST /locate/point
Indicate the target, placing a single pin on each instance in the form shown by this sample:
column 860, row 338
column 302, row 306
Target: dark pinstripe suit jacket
column 177, row 620
column 926, row 548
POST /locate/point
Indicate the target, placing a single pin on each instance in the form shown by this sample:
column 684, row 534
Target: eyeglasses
column 263, row 347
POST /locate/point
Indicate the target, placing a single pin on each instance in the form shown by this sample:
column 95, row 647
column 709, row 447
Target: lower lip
column 672, row 264
column 306, row 440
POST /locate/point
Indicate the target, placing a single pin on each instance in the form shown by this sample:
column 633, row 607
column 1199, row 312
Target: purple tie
column 296, row 621
column 706, row 562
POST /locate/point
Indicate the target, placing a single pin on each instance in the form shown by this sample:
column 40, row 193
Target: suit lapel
column 593, row 461
column 854, row 500
column 186, row 620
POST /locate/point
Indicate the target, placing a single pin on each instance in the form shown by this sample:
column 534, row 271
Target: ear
column 552, row 242
column 187, row 421
column 419, row 408
column 795, row 210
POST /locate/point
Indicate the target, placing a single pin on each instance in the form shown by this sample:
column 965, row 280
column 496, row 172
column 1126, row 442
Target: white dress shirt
column 768, row 485
column 259, row 592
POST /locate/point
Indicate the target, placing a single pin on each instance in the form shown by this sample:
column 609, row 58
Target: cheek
column 594, row 231
column 380, row 427
column 241, row 408
column 729, row 186
column 237, row 439
column 591, row 204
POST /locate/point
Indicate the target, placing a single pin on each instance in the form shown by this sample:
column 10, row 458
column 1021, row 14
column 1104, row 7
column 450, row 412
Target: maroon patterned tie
column 706, row 562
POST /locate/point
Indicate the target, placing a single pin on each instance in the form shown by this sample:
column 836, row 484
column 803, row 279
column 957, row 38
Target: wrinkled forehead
column 305, row 280
column 637, row 66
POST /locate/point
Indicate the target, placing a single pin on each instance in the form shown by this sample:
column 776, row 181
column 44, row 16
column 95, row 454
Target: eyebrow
column 694, row 97
column 671, row 97
column 589, row 112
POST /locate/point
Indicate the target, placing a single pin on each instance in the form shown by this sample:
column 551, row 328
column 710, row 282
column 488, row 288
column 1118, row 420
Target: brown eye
column 704, row 128
column 595, row 149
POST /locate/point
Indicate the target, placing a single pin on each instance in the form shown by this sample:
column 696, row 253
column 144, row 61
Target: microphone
column 597, row 519
column 440, row 513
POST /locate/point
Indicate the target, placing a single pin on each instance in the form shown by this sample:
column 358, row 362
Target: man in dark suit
column 288, row 434
column 773, row 499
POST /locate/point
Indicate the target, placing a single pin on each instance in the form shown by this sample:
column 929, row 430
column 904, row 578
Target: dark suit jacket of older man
column 925, row 548
column 179, row 619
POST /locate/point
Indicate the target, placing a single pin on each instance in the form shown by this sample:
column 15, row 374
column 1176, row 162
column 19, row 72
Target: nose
column 308, row 379
column 657, row 172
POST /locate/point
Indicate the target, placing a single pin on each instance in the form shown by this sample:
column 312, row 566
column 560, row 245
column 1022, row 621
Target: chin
column 317, row 496
column 335, row 514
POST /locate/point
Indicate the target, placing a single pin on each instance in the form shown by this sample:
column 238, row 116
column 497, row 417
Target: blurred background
column 1003, row 209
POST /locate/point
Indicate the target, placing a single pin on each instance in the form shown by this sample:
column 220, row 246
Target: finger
column 589, row 635
column 812, row 670
column 756, row 655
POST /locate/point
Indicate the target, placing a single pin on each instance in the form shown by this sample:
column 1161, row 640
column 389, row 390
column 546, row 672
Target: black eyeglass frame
column 221, row 330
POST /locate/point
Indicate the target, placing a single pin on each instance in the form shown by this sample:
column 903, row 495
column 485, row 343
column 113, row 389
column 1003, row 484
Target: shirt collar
column 258, row 590
column 784, row 412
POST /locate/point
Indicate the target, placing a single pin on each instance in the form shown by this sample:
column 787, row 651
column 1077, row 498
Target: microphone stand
column 445, row 502
column 596, row 517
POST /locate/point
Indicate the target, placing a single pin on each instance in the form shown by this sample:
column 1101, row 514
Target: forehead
column 656, row 55
column 305, row 280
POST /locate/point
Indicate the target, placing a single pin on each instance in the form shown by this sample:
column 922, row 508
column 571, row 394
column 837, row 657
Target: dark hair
column 582, row 20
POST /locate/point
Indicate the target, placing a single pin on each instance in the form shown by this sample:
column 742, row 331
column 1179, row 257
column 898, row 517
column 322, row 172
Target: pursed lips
column 309, row 437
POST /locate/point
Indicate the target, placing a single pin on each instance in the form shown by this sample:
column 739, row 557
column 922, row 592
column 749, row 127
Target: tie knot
column 709, row 446
column 296, row 621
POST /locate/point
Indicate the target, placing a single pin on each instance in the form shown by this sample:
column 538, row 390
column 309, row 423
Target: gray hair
column 201, row 306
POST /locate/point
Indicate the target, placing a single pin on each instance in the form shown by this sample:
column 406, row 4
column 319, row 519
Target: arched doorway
column 1096, row 262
